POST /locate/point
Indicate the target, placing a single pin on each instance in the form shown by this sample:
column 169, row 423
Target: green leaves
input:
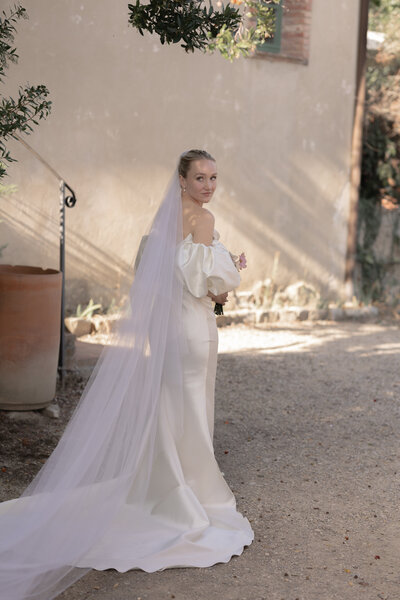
column 21, row 114
column 229, row 29
column 258, row 24
column 177, row 21
column 380, row 177
column 183, row 21
column 87, row 313
column 381, row 12
column 7, row 31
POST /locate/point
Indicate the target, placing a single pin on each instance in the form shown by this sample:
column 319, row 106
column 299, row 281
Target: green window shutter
column 273, row 44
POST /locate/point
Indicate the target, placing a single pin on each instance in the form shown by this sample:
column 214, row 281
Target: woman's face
column 201, row 180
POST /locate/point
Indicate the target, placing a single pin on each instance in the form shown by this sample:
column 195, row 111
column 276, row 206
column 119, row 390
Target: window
column 273, row 44
column 291, row 40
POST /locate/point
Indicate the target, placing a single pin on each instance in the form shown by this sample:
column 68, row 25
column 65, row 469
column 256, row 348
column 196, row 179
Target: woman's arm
column 204, row 234
column 201, row 264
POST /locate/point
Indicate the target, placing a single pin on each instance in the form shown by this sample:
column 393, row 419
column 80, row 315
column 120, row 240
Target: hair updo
column 188, row 157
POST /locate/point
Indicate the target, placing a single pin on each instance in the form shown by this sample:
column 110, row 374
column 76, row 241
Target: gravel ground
column 307, row 423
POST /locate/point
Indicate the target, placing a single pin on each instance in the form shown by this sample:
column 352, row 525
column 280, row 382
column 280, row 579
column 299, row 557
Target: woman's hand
column 220, row 299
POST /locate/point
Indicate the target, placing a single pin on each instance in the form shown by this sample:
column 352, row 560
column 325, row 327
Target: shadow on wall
column 301, row 214
column 303, row 218
column 32, row 237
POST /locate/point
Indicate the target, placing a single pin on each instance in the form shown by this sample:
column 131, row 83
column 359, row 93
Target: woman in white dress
column 134, row 482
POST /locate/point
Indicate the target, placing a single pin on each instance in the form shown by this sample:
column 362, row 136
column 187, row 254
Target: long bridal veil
column 106, row 450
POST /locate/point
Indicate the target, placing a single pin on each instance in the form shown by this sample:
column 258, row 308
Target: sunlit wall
column 124, row 108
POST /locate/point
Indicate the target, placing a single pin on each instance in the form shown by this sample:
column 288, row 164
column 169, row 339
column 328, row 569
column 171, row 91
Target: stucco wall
column 124, row 109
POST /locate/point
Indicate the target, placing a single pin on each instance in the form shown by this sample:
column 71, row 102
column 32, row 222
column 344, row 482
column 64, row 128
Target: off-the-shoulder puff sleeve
column 207, row 268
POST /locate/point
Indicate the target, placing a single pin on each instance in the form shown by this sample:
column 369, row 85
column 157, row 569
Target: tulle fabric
column 108, row 445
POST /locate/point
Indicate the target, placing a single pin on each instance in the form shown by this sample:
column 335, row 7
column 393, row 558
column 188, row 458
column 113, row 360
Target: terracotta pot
column 30, row 307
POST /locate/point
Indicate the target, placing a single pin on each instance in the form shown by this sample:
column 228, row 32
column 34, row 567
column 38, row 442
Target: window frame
column 293, row 34
column 274, row 46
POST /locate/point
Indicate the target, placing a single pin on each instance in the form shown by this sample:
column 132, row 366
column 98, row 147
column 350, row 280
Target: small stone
column 302, row 294
column 261, row 316
column 302, row 315
column 52, row 411
column 336, row 314
column 289, row 315
column 250, row 318
column 78, row 326
column 105, row 324
column 267, row 316
column 353, row 313
column 370, row 311
column 319, row 314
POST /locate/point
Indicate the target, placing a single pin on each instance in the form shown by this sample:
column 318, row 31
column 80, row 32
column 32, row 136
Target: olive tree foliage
column 234, row 30
column 380, row 170
column 20, row 114
column 381, row 151
column 381, row 13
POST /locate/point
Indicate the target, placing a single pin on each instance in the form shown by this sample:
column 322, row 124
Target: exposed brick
column 295, row 34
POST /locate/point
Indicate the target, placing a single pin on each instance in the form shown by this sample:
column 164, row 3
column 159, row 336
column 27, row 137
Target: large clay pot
column 30, row 308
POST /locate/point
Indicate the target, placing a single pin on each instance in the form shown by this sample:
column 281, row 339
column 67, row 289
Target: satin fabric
column 206, row 268
column 189, row 518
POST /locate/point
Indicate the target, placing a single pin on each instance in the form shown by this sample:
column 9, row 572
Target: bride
column 133, row 482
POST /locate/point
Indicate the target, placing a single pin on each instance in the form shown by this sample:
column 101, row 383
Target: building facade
column 124, row 107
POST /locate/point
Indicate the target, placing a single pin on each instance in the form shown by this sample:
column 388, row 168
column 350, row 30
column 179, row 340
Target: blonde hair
column 188, row 157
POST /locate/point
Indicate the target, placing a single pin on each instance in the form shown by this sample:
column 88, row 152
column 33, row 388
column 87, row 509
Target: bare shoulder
column 206, row 217
column 203, row 227
column 194, row 215
column 209, row 213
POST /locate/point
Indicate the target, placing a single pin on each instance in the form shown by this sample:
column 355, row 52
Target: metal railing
column 66, row 200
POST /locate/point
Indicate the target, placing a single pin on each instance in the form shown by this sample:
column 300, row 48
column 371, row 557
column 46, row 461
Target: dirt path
column 308, row 436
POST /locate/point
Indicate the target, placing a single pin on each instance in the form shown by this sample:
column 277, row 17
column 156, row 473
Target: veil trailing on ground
column 103, row 458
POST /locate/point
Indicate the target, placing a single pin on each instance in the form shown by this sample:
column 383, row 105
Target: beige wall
column 124, row 109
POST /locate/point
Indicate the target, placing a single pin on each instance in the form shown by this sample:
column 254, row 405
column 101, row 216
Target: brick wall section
column 296, row 29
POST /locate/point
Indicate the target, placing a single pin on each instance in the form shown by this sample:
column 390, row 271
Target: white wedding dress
column 189, row 517
column 133, row 482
